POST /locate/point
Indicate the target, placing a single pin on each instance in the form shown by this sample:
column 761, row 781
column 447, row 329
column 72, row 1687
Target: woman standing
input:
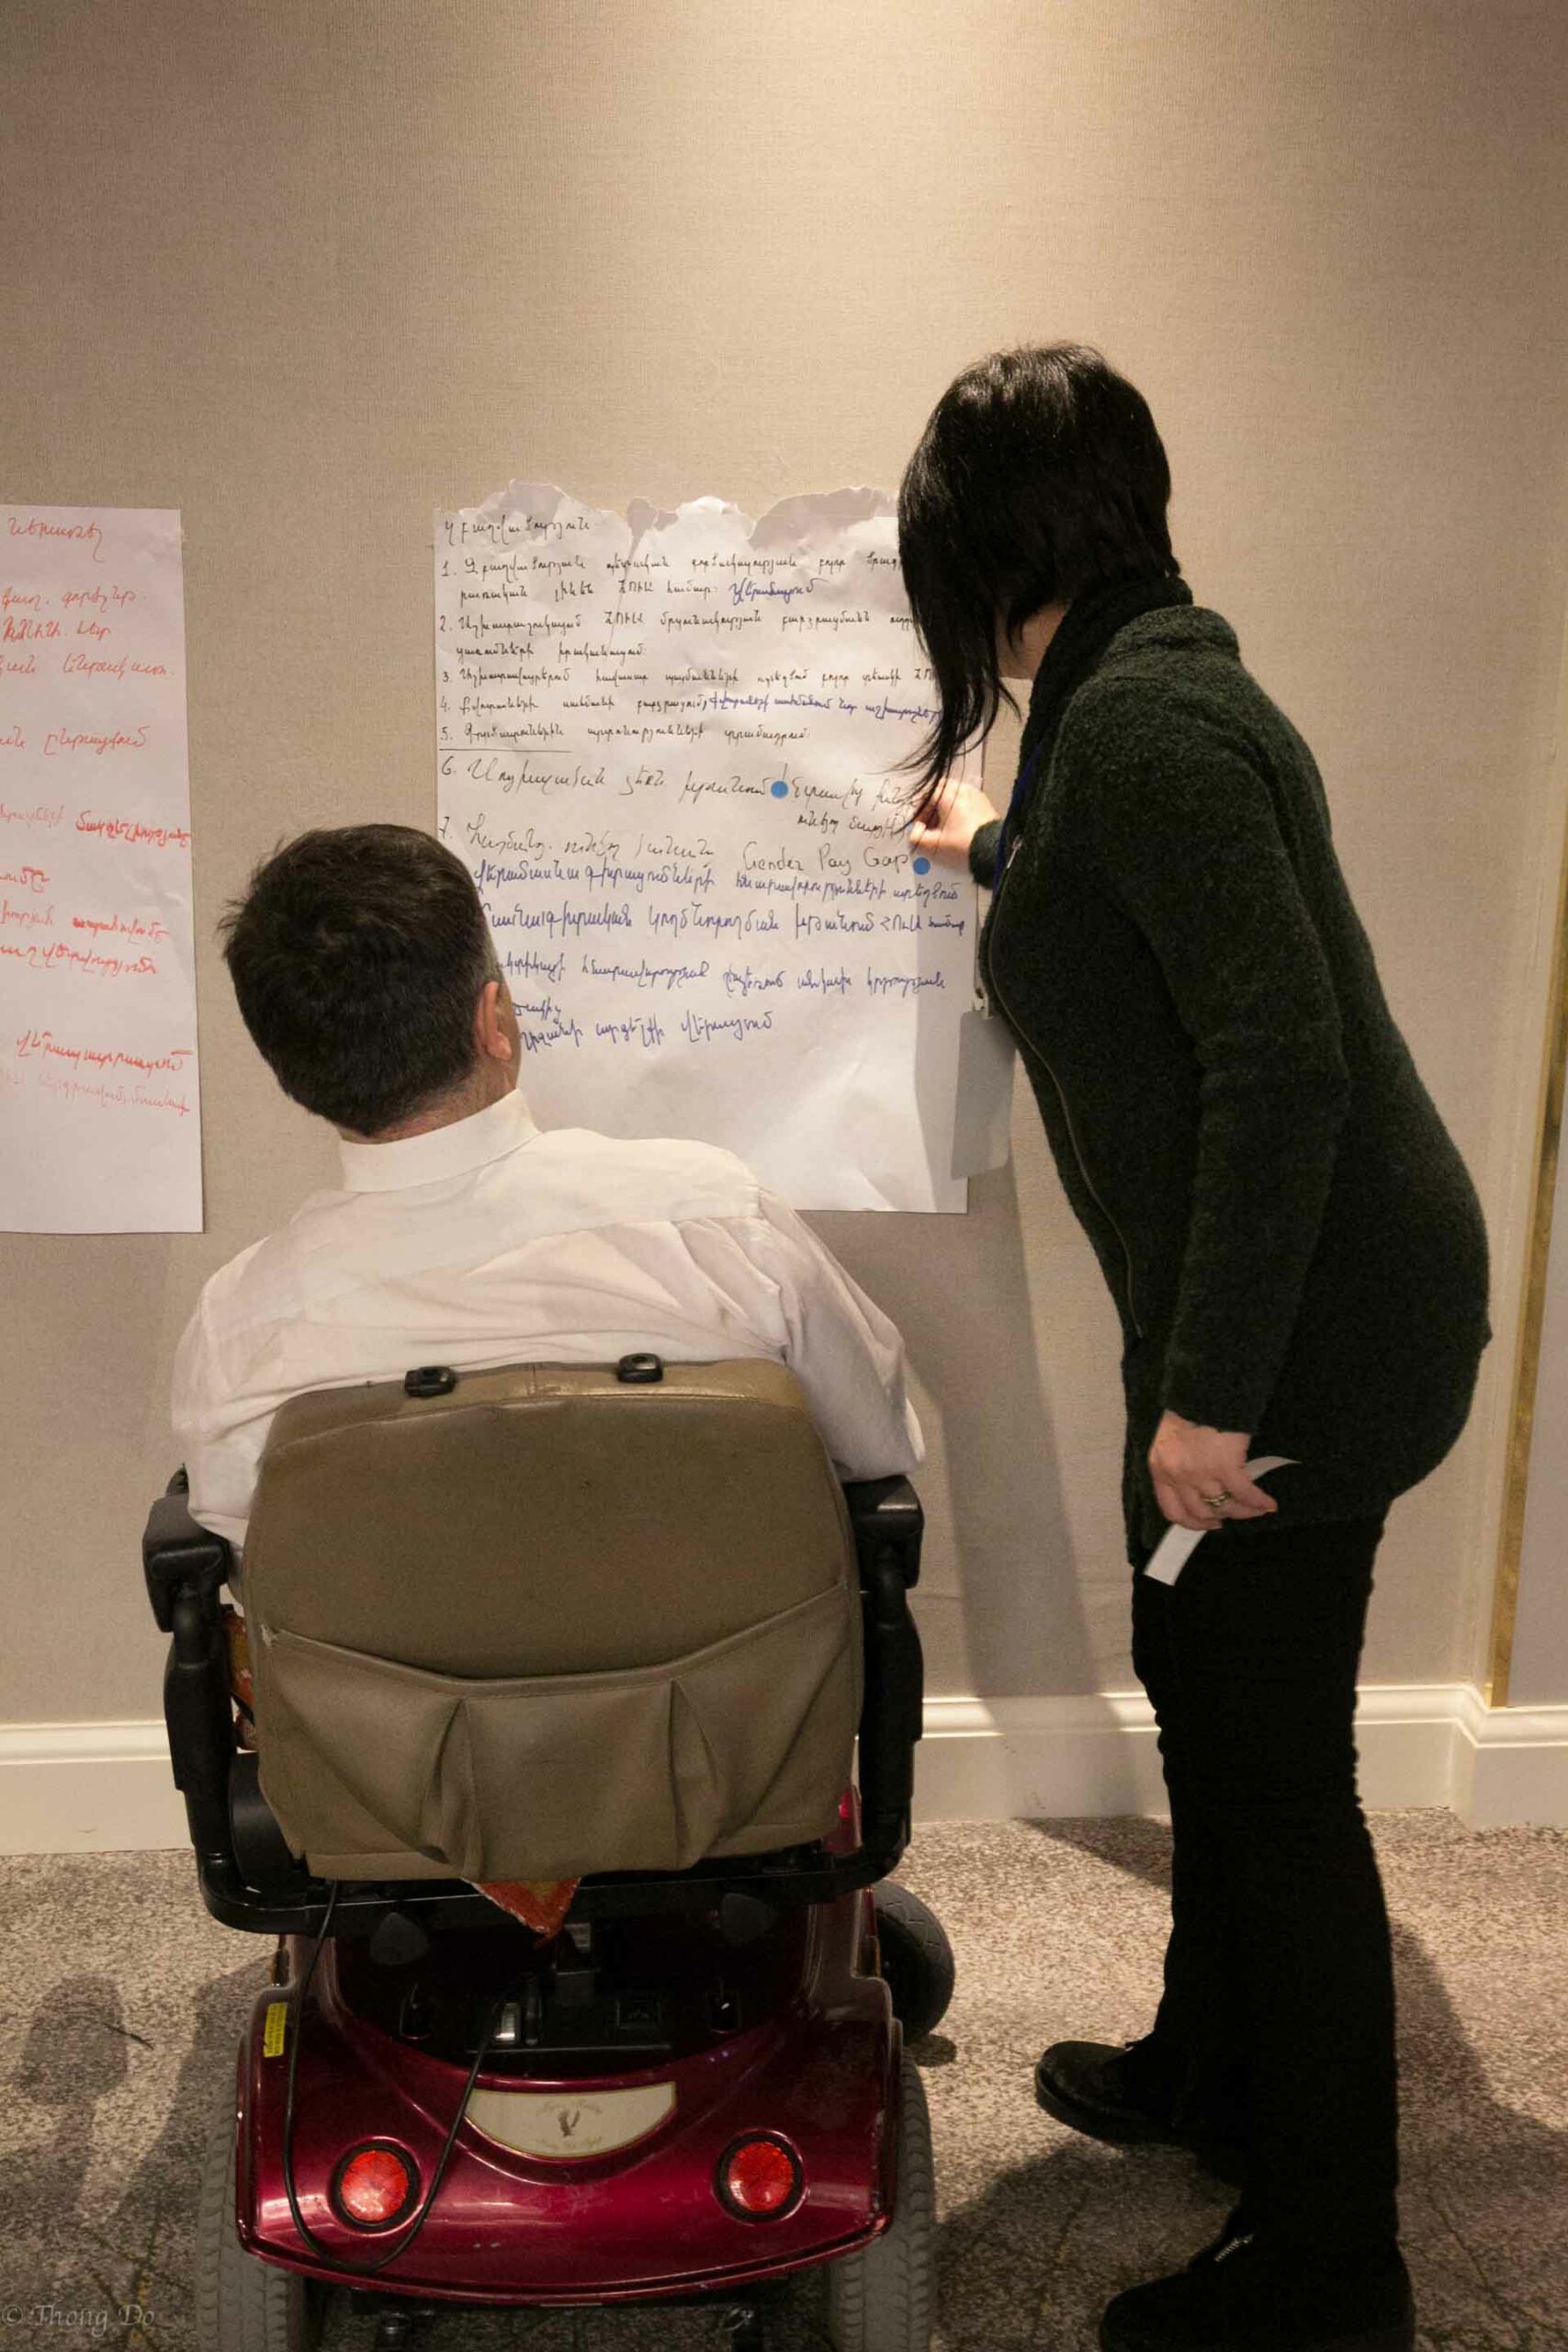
column 1299, row 1266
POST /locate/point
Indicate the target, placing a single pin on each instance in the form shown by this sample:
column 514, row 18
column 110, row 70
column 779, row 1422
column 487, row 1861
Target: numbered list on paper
column 669, row 753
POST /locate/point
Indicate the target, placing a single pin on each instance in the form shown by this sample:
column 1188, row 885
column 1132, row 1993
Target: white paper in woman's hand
column 1176, row 1547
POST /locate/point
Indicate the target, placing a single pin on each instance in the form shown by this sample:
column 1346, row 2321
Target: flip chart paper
column 666, row 752
column 100, row 1128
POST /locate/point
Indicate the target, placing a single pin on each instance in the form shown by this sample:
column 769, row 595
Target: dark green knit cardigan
column 1292, row 1238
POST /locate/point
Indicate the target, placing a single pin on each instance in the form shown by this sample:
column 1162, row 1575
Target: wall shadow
column 958, row 1289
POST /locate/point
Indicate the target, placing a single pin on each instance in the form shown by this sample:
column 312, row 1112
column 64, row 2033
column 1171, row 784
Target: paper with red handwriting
column 100, row 1129
column 669, row 750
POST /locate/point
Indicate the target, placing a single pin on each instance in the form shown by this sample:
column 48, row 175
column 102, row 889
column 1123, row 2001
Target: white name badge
column 982, row 1136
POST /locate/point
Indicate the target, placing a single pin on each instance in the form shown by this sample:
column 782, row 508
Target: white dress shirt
column 490, row 1242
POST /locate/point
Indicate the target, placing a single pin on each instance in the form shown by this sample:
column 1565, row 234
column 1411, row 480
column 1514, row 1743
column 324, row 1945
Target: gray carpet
column 121, row 2002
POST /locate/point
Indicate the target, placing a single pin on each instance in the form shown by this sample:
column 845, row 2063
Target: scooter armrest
column 179, row 1555
column 888, row 1522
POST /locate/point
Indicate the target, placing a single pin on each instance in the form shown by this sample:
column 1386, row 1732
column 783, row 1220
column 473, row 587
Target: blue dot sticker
column 779, row 790
column 922, row 865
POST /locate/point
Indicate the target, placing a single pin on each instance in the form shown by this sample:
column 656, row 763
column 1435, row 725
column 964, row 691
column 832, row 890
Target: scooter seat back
column 549, row 1624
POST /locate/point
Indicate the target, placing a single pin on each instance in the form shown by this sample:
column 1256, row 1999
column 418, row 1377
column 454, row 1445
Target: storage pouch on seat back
column 556, row 1776
column 560, row 1626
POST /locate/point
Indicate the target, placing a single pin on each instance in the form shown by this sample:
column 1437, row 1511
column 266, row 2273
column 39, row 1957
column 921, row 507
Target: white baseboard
column 105, row 1787
column 1510, row 1764
column 87, row 1789
column 1420, row 1744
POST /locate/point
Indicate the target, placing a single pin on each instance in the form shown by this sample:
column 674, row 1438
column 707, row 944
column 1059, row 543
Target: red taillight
column 759, row 2179
column 374, row 2186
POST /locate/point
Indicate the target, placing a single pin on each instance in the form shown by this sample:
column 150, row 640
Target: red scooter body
column 791, row 2036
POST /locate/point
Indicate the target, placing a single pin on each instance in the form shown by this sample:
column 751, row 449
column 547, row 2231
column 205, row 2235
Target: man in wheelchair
column 367, row 975
column 576, row 1551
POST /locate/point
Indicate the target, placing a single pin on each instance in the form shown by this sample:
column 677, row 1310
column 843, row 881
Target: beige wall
column 307, row 268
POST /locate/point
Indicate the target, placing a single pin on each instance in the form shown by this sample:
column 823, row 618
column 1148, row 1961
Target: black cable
column 412, row 2227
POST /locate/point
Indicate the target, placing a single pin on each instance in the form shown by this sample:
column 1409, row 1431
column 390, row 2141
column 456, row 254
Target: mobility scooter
column 620, row 1627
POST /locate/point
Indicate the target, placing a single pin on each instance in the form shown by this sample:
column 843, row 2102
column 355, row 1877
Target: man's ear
column 493, row 1026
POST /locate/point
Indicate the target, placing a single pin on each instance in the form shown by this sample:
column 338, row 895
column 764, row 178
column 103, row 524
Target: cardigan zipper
column 1089, row 1184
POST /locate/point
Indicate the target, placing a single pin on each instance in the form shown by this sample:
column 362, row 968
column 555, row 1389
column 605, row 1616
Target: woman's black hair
column 1039, row 476
column 359, row 956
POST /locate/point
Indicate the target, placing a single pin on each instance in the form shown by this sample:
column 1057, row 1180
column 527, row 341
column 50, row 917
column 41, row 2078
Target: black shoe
column 1106, row 2092
column 1245, row 2293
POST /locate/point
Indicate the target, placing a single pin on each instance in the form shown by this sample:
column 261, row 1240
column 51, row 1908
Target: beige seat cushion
column 551, row 1623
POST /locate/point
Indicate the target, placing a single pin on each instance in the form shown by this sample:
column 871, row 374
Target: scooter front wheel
column 917, row 1959
column 243, row 2304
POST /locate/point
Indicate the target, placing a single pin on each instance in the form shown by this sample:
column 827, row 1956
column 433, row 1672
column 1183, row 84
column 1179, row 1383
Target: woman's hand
column 949, row 821
column 1188, row 1462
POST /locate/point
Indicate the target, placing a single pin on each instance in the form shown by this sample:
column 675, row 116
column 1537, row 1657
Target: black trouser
column 1279, row 1987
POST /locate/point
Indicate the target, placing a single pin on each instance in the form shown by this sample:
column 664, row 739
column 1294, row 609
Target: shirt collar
column 453, row 1150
